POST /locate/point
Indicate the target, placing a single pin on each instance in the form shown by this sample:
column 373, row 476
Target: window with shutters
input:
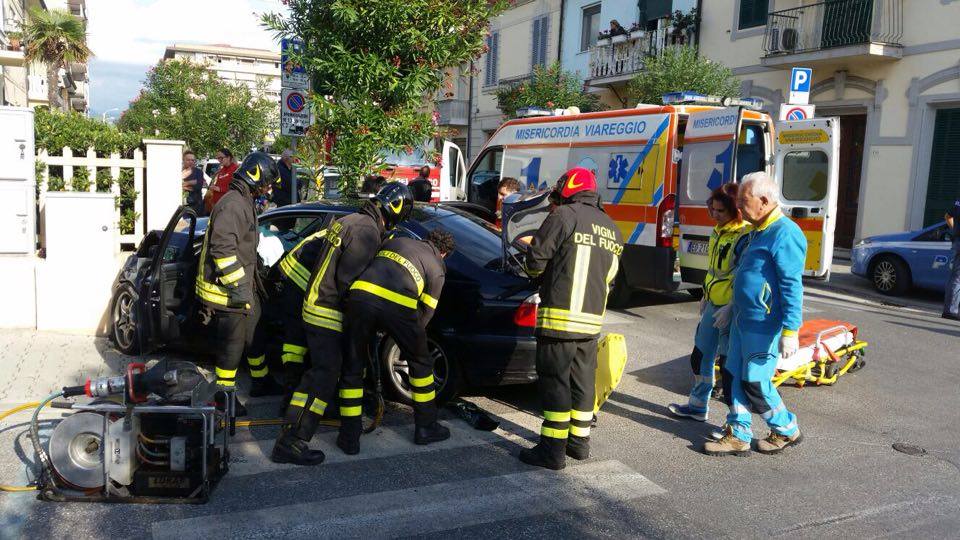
column 491, row 75
column 943, row 185
column 541, row 32
column 753, row 13
column 590, row 27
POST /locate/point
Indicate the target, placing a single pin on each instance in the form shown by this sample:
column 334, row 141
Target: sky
column 129, row 36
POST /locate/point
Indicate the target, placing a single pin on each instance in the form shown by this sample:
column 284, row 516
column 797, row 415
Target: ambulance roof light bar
column 530, row 112
column 696, row 98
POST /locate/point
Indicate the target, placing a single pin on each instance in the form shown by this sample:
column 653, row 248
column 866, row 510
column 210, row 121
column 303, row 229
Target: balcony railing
column 832, row 24
column 623, row 56
column 453, row 112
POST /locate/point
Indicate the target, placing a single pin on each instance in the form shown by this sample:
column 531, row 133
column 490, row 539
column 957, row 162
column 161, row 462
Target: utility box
column 18, row 194
column 80, row 228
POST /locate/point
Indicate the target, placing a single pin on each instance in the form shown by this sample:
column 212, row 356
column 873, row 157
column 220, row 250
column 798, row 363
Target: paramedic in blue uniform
column 764, row 318
column 951, row 300
column 710, row 342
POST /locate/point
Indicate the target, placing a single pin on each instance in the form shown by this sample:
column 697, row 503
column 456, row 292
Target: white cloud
column 138, row 31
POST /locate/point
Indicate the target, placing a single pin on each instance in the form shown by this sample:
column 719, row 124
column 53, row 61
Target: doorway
column 853, row 128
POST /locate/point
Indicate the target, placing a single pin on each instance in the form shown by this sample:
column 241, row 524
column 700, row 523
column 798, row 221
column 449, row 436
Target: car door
column 929, row 258
column 167, row 294
column 708, row 161
column 807, row 171
column 453, row 174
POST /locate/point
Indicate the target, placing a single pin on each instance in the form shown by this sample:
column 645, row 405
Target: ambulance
column 657, row 164
column 448, row 178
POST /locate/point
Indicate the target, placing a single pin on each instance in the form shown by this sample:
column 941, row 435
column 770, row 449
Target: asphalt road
column 646, row 478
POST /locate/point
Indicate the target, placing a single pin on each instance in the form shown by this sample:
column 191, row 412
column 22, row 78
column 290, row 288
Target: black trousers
column 294, row 355
column 402, row 325
column 566, row 371
column 316, row 389
column 234, row 333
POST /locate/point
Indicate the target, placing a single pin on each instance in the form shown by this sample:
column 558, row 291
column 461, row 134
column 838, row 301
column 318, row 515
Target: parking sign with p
column 801, row 79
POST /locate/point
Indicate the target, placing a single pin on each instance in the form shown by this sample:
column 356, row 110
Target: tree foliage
column 55, row 38
column 55, row 130
column 549, row 87
column 681, row 68
column 185, row 101
column 373, row 63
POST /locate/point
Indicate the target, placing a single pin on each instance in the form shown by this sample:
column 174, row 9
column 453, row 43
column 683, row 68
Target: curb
column 872, row 297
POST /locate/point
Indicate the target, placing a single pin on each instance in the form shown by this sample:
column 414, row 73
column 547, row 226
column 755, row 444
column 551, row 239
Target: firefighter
column 226, row 278
column 576, row 252
column 397, row 293
column 348, row 246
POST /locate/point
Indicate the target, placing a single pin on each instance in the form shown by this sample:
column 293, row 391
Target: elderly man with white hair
column 765, row 318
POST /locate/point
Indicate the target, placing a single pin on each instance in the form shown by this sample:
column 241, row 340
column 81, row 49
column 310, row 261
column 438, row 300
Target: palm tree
column 56, row 38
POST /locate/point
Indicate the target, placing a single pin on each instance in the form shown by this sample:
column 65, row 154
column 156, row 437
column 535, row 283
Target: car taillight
column 665, row 222
column 526, row 314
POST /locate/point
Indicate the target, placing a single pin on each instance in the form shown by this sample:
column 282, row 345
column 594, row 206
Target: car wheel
column 891, row 276
column 447, row 373
column 124, row 329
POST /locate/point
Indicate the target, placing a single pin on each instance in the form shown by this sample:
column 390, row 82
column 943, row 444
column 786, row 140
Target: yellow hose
column 4, row 414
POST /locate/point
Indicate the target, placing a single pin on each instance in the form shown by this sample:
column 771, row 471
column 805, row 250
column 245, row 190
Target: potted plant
column 603, row 38
column 636, row 31
column 16, row 40
column 684, row 25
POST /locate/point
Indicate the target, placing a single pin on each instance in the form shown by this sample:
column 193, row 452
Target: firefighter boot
column 265, row 386
column 291, row 449
column 431, row 433
column 728, row 445
column 578, row 447
column 548, row 453
column 349, row 437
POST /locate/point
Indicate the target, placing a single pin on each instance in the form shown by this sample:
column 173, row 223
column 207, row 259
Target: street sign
column 796, row 112
column 292, row 73
column 294, row 112
column 801, row 79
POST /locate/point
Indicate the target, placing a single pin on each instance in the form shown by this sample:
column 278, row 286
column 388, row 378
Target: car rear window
column 476, row 239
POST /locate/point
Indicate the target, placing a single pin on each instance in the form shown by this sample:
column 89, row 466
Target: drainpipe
column 563, row 4
column 697, row 23
column 469, row 150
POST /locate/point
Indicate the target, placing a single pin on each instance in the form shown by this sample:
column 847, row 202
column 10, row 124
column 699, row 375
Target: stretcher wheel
column 857, row 364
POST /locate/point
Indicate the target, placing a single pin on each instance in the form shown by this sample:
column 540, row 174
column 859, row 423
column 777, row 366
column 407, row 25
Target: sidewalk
column 842, row 281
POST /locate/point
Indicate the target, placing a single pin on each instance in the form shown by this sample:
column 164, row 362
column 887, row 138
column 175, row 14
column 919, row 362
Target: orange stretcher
column 828, row 350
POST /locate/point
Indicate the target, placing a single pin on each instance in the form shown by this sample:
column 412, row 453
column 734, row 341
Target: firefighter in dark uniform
column 398, row 293
column 347, row 248
column 226, row 276
column 576, row 252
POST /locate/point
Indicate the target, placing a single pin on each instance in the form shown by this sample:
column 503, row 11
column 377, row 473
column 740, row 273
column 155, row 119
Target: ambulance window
column 484, row 178
column 805, row 176
column 751, row 154
column 702, row 167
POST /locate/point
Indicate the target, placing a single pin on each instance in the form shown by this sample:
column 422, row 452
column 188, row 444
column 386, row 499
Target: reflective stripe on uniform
column 313, row 295
column 260, row 373
column 424, row 397
column 567, row 321
column 350, row 393
column 582, row 416
column 322, row 322
column 554, row 433
column 430, row 301
column 351, row 411
column 578, row 286
column 554, row 416
column 233, row 277
column 402, row 261
column 578, row 431
column 256, row 361
column 224, row 262
column 323, row 317
column 226, row 373
column 259, row 363
column 295, row 349
column 299, row 399
column 291, row 267
column 318, row 407
column 386, row 294
column 229, row 383
column 211, row 292
column 422, row 381
column 293, row 353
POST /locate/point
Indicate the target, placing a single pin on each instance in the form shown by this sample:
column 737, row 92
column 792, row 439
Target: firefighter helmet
column 574, row 181
column 257, row 170
column 395, row 203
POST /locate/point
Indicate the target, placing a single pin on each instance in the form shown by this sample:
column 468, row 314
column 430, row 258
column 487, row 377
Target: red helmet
column 576, row 180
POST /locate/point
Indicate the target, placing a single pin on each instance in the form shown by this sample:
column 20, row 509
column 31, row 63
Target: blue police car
column 897, row 262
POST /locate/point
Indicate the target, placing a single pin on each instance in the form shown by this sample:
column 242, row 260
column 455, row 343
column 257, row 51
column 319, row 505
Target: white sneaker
column 684, row 411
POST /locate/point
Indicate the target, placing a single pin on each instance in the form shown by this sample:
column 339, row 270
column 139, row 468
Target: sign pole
column 293, row 172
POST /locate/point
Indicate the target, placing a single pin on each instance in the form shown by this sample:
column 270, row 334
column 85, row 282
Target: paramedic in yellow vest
column 726, row 242
column 576, row 252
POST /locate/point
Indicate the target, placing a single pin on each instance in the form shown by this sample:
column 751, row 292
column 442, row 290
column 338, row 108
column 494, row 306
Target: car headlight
column 863, row 242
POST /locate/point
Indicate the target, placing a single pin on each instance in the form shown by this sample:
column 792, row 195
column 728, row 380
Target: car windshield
column 402, row 159
column 476, row 239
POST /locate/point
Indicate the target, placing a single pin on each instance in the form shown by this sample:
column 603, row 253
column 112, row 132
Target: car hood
column 892, row 237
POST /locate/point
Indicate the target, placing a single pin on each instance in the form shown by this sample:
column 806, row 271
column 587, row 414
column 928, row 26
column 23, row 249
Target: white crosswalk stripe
column 426, row 509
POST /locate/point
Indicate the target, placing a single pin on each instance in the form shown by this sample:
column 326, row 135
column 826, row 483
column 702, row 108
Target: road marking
column 426, row 509
column 252, row 456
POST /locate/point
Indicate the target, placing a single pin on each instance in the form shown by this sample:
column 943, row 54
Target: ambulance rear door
column 807, row 171
column 708, row 161
column 453, row 174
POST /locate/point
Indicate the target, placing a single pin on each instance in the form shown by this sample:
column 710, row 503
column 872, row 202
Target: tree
column 183, row 100
column 55, row 38
column 680, row 68
column 374, row 63
column 550, row 87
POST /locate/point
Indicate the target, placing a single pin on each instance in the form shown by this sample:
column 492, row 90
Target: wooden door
column 852, row 131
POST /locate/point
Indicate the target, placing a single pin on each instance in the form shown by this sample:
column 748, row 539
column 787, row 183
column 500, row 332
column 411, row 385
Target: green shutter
column 943, row 186
column 652, row 10
column 847, row 22
column 753, row 13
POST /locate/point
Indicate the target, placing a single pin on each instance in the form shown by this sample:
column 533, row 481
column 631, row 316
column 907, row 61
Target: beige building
column 890, row 69
column 26, row 85
column 258, row 69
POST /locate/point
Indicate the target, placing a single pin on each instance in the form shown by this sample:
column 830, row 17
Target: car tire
column 890, row 275
column 123, row 324
column 395, row 373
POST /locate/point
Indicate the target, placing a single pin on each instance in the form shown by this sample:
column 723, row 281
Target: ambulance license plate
column 697, row 247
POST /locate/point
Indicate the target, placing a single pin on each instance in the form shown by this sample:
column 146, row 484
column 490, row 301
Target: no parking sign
column 294, row 113
column 796, row 112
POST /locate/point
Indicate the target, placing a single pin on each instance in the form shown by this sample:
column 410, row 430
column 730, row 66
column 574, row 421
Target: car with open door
column 481, row 334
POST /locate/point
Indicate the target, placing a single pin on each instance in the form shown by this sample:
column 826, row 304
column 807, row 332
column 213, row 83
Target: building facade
column 258, row 69
column 888, row 70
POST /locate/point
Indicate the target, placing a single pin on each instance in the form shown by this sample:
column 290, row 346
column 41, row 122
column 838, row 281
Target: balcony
column 615, row 61
column 832, row 33
column 453, row 112
column 78, row 71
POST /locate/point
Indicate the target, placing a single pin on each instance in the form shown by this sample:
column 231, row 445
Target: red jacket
column 222, row 181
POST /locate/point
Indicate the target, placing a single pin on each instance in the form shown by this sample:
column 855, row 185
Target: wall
column 899, row 97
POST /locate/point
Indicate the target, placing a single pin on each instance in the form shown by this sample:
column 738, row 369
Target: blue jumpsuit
column 709, row 342
column 951, row 299
column 768, row 299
